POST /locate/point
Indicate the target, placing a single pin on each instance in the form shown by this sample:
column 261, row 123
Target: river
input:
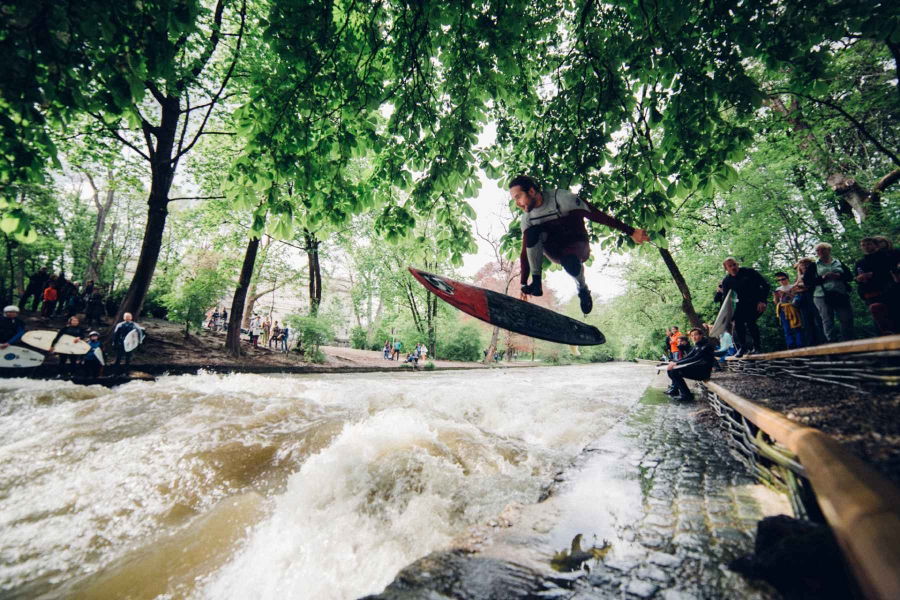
column 239, row 486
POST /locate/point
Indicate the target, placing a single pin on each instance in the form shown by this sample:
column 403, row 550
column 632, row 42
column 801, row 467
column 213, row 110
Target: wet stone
column 641, row 589
column 688, row 523
column 653, row 573
column 672, row 594
column 622, row 564
column 652, row 540
column 665, row 560
column 689, row 541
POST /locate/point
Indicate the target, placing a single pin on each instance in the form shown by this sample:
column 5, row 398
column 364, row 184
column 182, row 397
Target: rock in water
column 461, row 576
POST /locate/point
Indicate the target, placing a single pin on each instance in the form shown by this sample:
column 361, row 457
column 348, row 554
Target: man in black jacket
column 752, row 291
column 697, row 364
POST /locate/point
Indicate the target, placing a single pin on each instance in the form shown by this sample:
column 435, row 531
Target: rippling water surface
column 252, row 486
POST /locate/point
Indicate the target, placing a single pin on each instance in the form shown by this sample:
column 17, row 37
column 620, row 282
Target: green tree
column 189, row 299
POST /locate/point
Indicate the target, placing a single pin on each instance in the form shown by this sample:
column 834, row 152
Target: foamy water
column 251, row 486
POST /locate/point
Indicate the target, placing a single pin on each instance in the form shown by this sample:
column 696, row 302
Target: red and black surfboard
column 510, row 313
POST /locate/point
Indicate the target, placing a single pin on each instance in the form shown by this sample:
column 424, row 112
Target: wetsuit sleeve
column 523, row 263
column 20, row 331
column 58, row 335
column 592, row 214
column 719, row 297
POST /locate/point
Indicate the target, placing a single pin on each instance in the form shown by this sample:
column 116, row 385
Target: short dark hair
column 698, row 330
column 781, row 274
column 526, row 182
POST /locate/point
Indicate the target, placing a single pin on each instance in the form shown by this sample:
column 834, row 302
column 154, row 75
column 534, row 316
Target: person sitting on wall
column 697, row 364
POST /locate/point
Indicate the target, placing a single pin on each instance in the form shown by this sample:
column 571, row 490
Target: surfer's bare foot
column 533, row 289
column 587, row 303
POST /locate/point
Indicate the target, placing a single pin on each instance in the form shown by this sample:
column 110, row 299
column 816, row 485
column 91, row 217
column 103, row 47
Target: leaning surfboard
column 510, row 313
column 726, row 314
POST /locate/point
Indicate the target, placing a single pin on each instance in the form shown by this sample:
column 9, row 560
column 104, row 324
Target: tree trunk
column 492, row 347
column 252, row 298
column 315, row 273
column 162, row 172
column 92, row 273
column 687, row 305
column 233, row 339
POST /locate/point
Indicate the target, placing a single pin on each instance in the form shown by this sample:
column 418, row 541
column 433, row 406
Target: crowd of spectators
column 812, row 306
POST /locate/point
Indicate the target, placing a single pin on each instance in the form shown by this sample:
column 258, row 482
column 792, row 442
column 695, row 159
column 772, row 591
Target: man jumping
column 553, row 225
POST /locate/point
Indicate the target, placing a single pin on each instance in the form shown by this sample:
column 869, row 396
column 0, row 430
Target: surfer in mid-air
column 553, row 225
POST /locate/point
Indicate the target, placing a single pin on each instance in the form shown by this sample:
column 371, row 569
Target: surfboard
column 510, row 313
column 16, row 357
column 42, row 339
column 133, row 339
column 726, row 314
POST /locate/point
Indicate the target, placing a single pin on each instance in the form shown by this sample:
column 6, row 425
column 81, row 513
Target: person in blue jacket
column 12, row 328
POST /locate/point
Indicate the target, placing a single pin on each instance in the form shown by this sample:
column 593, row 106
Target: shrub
column 463, row 344
column 358, row 338
column 310, row 333
column 429, row 366
column 188, row 302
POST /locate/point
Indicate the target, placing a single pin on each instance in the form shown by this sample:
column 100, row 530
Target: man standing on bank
column 553, row 225
column 752, row 291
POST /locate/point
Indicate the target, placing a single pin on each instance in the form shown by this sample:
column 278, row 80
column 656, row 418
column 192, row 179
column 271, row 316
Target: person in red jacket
column 553, row 226
column 51, row 295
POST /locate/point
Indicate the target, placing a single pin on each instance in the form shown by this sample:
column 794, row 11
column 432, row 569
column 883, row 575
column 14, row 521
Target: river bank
column 167, row 350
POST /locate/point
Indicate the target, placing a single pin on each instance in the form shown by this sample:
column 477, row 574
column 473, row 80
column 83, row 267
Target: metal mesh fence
column 864, row 371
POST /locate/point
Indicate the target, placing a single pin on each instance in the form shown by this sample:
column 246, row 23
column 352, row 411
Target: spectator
column 94, row 309
column 697, row 364
column 73, row 327
column 50, row 296
column 667, row 346
column 12, row 328
column 787, row 313
column 63, row 291
column 224, row 319
column 832, row 294
column 397, row 346
column 88, row 289
column 726, row 346
column 93, row 360
column 121, row 331
column 285, row 338
column 423, row 351
column 684, row 345
column 752, row 291
column 266, row 330
column 387, row 350
column 803, row 290
column 673, row 342
column 34, row 291
column 255, row 329
column 276, row 335
column 74, row 304
column 873, row 276
column 214, row 320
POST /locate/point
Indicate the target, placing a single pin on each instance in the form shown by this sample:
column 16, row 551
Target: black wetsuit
column 11, row 330
column 74, row 331
column 751, row 288
column 697, row 364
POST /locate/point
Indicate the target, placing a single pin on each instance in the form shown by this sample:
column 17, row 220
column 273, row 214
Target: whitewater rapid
column 240, row 486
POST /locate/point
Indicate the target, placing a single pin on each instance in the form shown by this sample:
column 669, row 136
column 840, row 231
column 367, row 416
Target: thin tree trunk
column 233, row 338
column 92, row 273
column 687, row 304
column 253, row 297
column 492, row 347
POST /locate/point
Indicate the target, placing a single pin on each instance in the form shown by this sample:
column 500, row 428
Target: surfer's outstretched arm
column 592, row 214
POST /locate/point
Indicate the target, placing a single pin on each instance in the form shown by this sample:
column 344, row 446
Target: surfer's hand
column 50, row 351
column 523, row 296
column 640, row 236
column 3, row 346
column 670, row 366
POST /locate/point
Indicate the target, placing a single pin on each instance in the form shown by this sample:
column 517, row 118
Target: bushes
column 463, row 343
column 187, row 303
column 310, row 333
column 358, row 338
